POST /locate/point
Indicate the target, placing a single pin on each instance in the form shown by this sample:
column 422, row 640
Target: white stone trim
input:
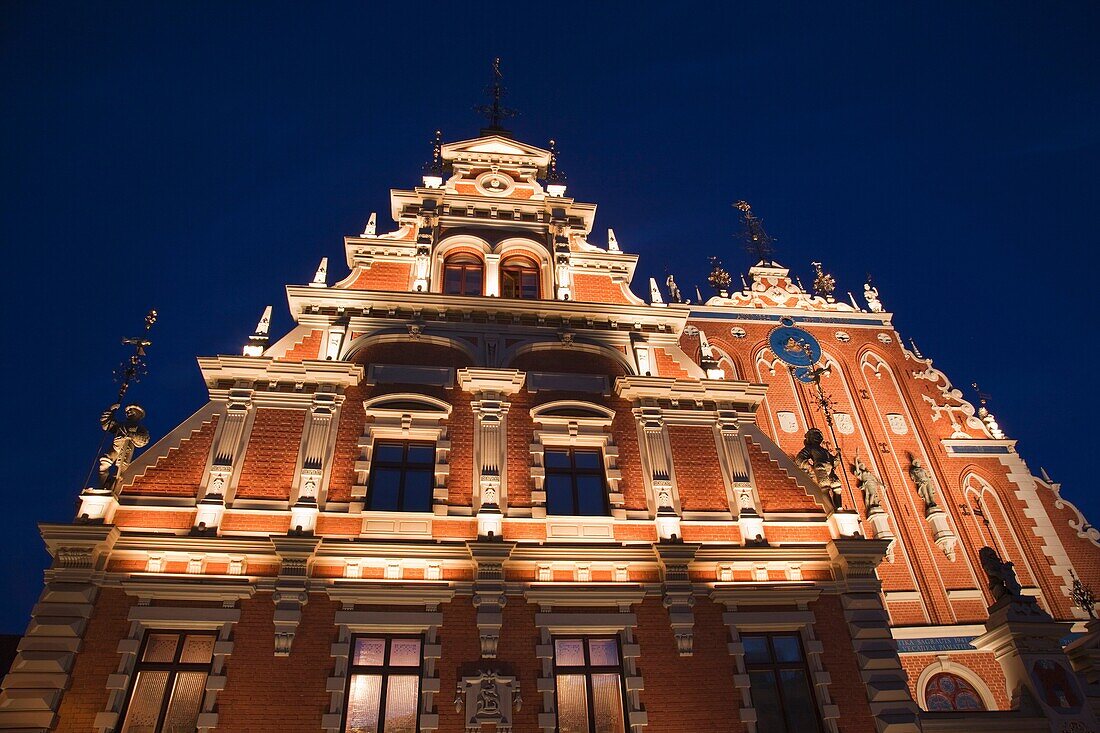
column 350, row 623
column 586, row 425
column 145, row 619
column 404, row 416
column 778, row 621
column 621, row 624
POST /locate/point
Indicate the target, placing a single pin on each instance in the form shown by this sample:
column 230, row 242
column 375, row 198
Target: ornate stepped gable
column 480, row 450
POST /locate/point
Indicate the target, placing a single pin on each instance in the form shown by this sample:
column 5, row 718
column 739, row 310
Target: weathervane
column 435, row 166
column 757, row 242
column 496, row 112
column 127, row 434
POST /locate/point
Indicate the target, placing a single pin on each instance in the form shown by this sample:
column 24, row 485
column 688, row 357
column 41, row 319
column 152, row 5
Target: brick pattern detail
column 308, row 348
column 778, row 492
column 179, row 471
column 698, row 473
column 983, row 664
column 271, row 455
column 392, row 276
column 590, row 288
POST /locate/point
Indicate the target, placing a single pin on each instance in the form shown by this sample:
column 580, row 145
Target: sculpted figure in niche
column 923, row 480
column 1001, row 575
column 128, row 435
column 869, row 484
column 817, row 461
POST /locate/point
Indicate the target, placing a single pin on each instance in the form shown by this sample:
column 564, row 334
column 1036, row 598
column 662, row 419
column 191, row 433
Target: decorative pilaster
column 657, row 460
column 734, row 459
column 41, row 671
column 291, row 587
column 229, row 442
column 315, row 447
column 490, row 388
column 854, row 562
column 489, row 597
column 679, row 597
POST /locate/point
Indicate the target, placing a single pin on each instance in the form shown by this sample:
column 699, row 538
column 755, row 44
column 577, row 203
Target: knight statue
column 127, row 435
column 817, row 461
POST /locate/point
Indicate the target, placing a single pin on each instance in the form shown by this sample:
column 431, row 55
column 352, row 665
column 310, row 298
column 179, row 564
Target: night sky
column 196, row 157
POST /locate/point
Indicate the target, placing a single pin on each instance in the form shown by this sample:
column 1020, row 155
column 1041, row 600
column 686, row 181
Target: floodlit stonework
column 480, row 465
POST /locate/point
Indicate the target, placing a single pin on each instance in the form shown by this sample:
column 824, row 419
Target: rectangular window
column 575, row 482
column 402, row 476
column 169, row 682
column 588, row 680
column 780, row 683
column 383, row 685
column 462, row 278
column 519, row 281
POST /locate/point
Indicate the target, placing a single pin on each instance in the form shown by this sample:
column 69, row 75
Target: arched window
column 947, row 691
column 519, row 278
column 463, row 274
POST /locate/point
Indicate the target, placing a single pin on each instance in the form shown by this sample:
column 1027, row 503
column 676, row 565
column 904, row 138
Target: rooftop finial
column 433, row 169
column 824, row 283
column 555, row 179
column 496, row 112
column 986, row 415
column 757, row 242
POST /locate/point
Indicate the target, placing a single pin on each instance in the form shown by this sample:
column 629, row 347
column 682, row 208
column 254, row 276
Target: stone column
column 854, row 562
column 229, row 440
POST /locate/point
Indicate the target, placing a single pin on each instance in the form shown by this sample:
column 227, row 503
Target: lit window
column 946, row 691
column 575, row 482
column 169, row 682
column 402, row 476
column 588, row 681
column 463, row 275
column 780, row 684
column 383, row 685
column 519, row 278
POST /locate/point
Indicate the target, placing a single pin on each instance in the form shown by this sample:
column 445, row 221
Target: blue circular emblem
column 794, row 346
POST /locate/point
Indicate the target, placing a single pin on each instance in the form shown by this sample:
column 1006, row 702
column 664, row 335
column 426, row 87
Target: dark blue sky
column 196, row 157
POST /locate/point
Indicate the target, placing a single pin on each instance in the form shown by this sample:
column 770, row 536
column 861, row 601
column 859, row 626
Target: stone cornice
column 220, row 369
column 500, row 381
column 741, row 395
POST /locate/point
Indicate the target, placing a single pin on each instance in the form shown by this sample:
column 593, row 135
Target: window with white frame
column 169, row 682
column 588, row 680
column 402, row 476
column 779, row 681
column 383, row 693
column 575, row 482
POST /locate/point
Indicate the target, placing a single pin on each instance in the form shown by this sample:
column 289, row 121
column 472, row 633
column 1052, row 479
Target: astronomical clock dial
column 796, row 348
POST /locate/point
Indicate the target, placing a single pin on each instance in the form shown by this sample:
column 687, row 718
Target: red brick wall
column 179, row 471
column 778, row 492
column 982, row 664
column 384, row 276
column 839, row 659
column 98, row 658
column 350, row 429
column 597, row 289
column 698, row 473
column 571, row 361
column 268, row 693
column 272, row 453
column 693, row 693
column 307, row 348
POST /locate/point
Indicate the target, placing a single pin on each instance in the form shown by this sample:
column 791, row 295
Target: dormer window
column 519, row 278
column 463, row 274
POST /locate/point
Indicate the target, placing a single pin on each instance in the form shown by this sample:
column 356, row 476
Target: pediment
column 495, row 147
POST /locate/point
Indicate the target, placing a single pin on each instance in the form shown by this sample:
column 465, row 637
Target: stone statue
column 923, row 479
column 673, row 290
column 1001, row 575
column 870, row 485
column 127, row 436
column 817, row 461
column 870, row 293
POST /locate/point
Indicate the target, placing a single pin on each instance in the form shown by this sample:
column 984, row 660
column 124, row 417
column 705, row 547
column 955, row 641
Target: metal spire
column 757, row 242
column 496, row 112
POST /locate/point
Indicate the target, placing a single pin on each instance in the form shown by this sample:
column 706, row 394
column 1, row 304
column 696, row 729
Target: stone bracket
column 679, row 596
column 489, row 597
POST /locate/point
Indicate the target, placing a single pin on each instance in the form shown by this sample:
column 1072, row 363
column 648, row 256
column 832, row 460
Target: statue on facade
column 1001, row 576
column 870, row 294
column 673, row 290
column 817, row 461
column 869, row 484
column 923, row 480
column 127, row 436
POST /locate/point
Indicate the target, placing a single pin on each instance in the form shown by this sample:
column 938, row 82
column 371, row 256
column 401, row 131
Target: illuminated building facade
column 483, row 485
